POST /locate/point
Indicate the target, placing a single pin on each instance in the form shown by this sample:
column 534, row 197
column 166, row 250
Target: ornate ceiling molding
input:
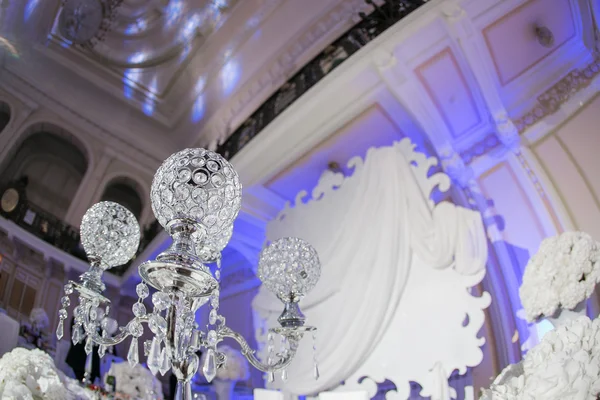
column 123, row 150
column 552, row 99
column 296, row 54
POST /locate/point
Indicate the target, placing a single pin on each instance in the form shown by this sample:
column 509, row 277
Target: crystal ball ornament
column 198, row 185
column 110, row 234
column 289, row 267
column 210, row 248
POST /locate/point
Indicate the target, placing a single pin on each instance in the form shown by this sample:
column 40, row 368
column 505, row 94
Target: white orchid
column 562, row 274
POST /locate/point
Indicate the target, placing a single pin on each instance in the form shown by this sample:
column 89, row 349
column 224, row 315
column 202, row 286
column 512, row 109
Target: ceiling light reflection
column 230, row 75
column 30, row 8
column 198, row 109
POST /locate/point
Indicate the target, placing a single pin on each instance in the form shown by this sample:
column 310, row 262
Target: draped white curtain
column 366, row 229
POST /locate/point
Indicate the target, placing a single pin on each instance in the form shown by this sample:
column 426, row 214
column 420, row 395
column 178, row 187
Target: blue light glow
column 132, row 75
column 200, row 83
column 198, row 109
column 221, row 3
column 230, row 75
column 137, row 27
column 30, row 8
column 150, row 102
column 543, row 327
column 189, row 28
column 173, row 12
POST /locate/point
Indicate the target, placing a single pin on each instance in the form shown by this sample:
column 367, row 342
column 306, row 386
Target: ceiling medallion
column 544, row 36
column 86, row 22
column 196, row 197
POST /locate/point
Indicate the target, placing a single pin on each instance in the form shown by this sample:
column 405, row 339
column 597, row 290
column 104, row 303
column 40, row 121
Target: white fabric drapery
column 366, row 228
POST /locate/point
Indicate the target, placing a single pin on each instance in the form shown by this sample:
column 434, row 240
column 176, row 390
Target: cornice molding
column 558, row 94
column 295, row 55
column 142, row 160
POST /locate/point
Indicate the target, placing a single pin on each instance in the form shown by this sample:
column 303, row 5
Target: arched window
column 124, row 191
column 4, row 116
column 54, row 166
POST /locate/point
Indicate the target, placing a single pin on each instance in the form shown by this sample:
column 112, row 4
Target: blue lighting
column 230, row 75
column 132, row 75
column 150, row 102
column 543, row 327
column 137, row 27
column 189, row 28
column 30, row 8
column 198, row 109
column 173, row 12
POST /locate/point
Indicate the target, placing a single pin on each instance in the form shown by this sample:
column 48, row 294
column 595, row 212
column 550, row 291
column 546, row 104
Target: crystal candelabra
column 196, row 196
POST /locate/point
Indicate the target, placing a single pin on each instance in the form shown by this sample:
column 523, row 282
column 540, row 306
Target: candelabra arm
column 248, row 352
column 114, row 340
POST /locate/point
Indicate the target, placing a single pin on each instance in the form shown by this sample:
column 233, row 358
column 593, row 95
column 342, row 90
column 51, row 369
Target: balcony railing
column 370, row 26
column 60, row 234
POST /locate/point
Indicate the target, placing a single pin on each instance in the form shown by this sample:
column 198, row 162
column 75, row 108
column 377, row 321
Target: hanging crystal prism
column 271, row 376
column 77, row 334
column 60, row 329
column 154, row 360
column 165, row 365
column 210, row 365
column 284, row 375
column 132, row 355
column 89, row 346
column 102, row 348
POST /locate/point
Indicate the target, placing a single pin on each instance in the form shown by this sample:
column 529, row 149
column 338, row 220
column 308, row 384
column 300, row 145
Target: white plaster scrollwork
column 507, row 131
column 393, row 300
column 455, row 166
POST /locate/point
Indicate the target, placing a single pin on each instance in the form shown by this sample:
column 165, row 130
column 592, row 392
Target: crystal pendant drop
column 271, row 377
column 212, row 317
column 284, row 375
column 210, row 366
column 154, row 361
column 89, row 346
column 165, row 365
column 101, row 351
column 60, row 329
column 316, row 372
column 132, row 355
column 77, row 335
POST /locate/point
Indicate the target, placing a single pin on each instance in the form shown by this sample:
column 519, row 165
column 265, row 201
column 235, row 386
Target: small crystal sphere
column 110, row 233
column 289, row 267
column 200, row 185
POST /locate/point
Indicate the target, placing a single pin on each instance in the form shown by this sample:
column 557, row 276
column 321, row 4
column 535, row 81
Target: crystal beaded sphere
column 200, row 185
column 209, row 248
column 289, row 266
column 110, row 233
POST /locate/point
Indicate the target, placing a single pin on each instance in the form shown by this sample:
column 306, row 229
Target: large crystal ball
column 110, row 233
column 200, row 185
column 208, row 250
column 289, row 267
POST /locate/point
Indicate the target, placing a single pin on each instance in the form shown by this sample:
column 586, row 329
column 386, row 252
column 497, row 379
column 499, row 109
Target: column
column 88, row 188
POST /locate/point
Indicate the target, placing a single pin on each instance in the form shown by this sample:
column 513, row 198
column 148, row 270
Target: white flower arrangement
column 562, row 274
column 235, row 367
column 30, row 375
column 137, row 382
column 565, row 365
column 39, row 319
